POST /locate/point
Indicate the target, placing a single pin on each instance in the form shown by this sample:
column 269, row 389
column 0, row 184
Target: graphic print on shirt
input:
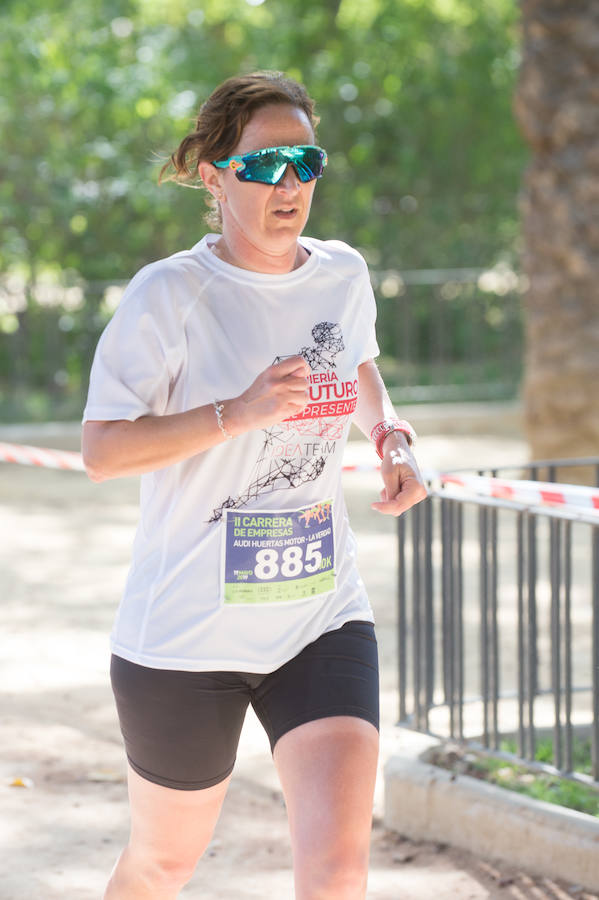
column 292, row 453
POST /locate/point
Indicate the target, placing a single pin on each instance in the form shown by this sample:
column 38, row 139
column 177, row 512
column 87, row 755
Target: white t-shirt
column 243, row 554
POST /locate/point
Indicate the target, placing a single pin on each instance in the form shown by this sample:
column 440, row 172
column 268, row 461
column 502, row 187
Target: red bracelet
column 387, row 427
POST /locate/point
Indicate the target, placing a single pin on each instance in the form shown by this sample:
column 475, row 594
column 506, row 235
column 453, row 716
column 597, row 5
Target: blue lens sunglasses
column 268, row 166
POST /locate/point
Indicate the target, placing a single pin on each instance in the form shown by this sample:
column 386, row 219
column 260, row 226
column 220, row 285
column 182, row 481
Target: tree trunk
column 557, row 107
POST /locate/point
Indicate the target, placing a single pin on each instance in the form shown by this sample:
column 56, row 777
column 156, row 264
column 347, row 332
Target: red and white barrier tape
column 41, row 456
column 538, row 493
column 67, row 459
column 46, row 458
column 362, row 467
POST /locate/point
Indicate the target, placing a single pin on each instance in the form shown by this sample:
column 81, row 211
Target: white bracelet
column 218, row 408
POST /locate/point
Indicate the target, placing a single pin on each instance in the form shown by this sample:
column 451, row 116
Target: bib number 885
column 292, row 563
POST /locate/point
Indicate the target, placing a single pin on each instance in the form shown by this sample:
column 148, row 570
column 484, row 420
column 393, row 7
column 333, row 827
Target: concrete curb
column 425, row 802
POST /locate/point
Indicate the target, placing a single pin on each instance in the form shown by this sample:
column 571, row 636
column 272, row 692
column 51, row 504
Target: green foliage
column 550, row 788
column 415, row 102
column 516, row 776
column 540, row 786
column 544, row 752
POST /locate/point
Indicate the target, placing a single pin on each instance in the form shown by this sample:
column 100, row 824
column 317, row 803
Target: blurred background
column 463, row 139
column 425, row 166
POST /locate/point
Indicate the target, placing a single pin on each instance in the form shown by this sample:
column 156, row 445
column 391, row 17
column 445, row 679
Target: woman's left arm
column 403, row 483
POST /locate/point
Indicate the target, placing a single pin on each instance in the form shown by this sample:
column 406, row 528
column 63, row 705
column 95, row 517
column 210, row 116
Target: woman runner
column 228, row 378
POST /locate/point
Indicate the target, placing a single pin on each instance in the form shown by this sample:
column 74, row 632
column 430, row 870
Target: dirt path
column 64, row 554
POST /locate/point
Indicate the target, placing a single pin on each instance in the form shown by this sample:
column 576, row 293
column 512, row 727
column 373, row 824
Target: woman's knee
column 333, row 868
column 163, row 873
column 339, row 876
column 170, row 829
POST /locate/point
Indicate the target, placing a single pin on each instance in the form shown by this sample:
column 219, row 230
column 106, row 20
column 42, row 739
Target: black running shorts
column 181, row 729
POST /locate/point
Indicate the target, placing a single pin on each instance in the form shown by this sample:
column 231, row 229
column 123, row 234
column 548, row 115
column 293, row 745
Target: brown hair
column 221, row 121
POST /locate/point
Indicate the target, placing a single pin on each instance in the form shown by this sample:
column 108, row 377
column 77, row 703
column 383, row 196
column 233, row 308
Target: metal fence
column 498, row 622
column 450, row 334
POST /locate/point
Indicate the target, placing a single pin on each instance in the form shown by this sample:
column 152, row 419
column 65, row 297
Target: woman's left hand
column 404, row 486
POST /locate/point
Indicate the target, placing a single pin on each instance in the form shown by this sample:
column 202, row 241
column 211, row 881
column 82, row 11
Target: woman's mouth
column 286, row 212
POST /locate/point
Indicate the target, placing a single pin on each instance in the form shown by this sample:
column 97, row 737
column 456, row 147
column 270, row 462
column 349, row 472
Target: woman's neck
column 260, row 261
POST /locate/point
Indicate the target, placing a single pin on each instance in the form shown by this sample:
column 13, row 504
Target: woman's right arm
column 112, row 449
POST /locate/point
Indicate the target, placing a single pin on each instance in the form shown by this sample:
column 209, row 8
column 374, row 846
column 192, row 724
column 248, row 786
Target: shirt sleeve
column 139, row 353
column 368, row 313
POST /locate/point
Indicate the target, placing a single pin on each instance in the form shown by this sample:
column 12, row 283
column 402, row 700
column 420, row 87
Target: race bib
column 278, row 556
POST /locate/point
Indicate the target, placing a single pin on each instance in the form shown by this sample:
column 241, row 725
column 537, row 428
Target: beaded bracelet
column 218, row 408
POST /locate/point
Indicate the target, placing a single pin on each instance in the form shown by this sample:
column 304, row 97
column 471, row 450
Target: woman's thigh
column 321, row 711
column 171, row 828
column 181, row 729
column 335, row 675
column 327, row 769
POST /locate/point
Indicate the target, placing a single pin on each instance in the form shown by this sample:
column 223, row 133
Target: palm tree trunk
column 557, row 107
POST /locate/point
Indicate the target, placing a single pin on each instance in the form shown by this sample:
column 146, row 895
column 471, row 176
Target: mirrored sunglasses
column 268, row 166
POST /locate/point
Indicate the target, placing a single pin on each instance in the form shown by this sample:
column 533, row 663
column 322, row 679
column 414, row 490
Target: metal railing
column 498, row 622
column 450, row 334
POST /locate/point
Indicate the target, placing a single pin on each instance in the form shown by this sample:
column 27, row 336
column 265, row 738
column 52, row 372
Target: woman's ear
column 212, row 179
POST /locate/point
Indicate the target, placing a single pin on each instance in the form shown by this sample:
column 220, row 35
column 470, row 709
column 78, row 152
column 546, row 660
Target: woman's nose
column 289, row 180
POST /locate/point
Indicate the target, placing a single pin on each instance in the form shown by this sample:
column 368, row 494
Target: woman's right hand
column 280, row 391
column 112, row 449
